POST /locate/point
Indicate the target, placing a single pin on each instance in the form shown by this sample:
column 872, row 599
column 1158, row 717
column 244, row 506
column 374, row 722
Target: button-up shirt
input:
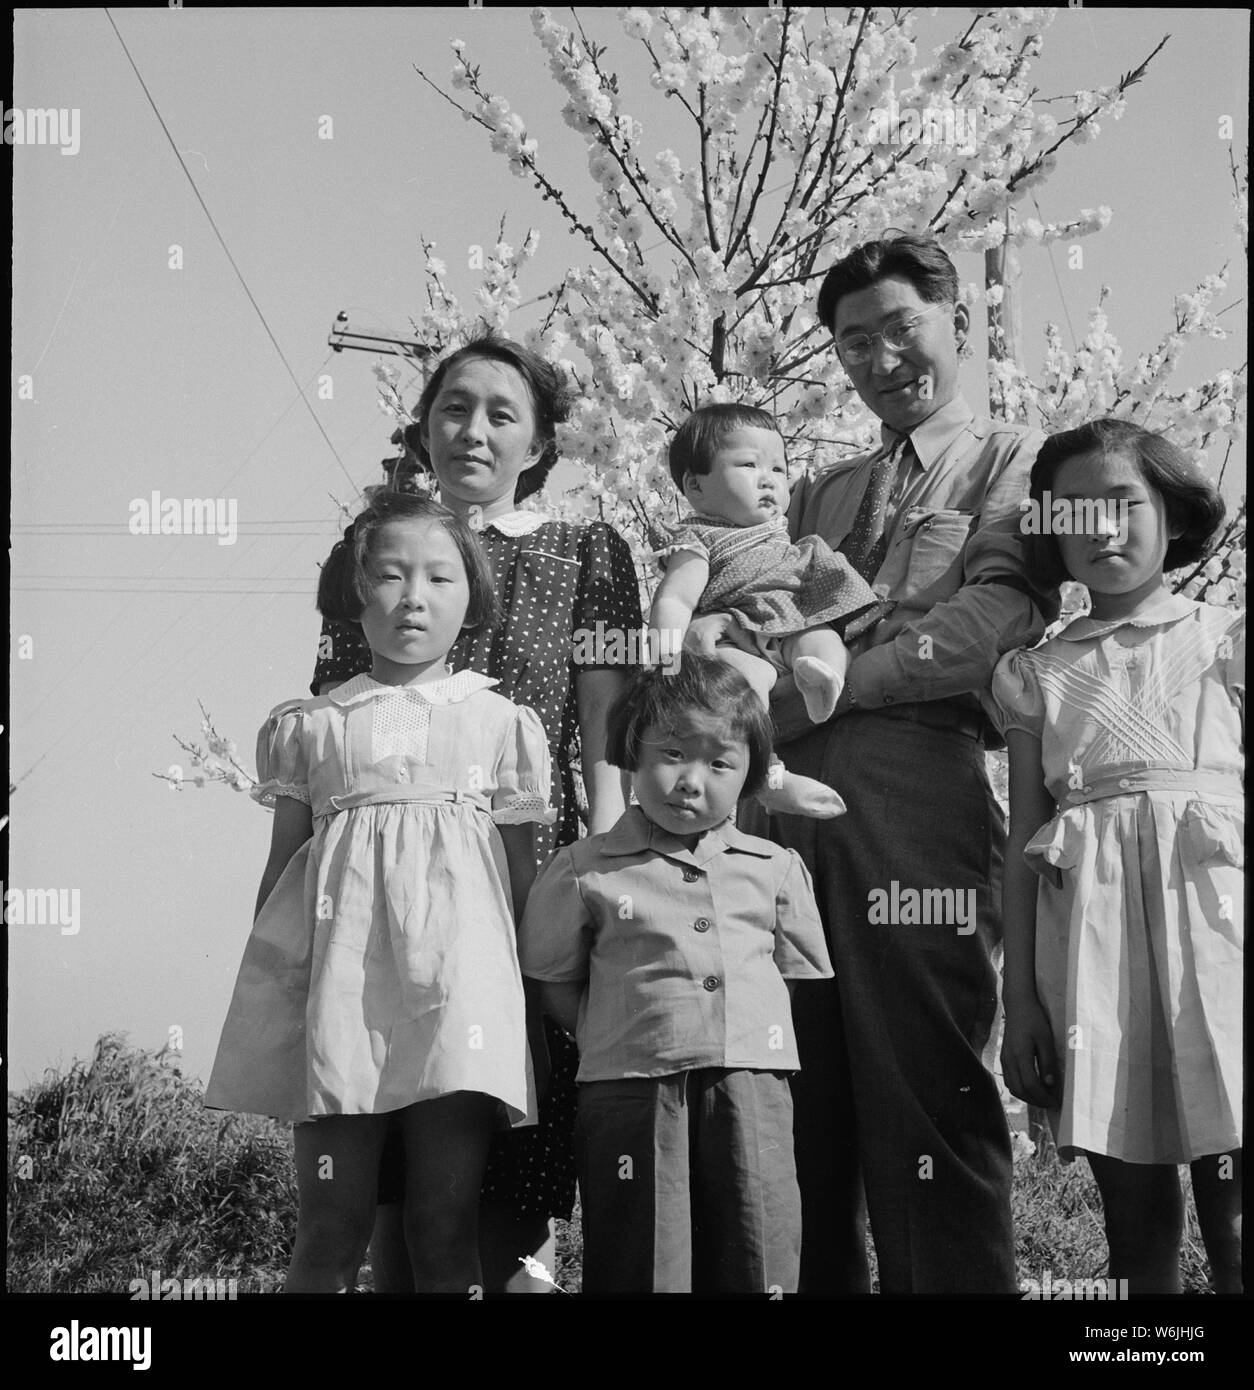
column 685, row 951
column 953, row 570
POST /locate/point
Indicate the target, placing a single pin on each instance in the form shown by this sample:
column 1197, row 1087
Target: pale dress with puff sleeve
column 1139, row 925
column 382, row 970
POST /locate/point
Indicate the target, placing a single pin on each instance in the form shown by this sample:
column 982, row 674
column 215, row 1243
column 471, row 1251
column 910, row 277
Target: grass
column 116, row 1169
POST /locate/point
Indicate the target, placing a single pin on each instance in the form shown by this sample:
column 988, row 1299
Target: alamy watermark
column 638, row 646
column 1074, row 516
column 79, row 1342
column 896, row 906
column 155, row 515
column 957, row 127
column 41, row 907
column 156, row 1287
column 52, row 125
column 1047, row 1289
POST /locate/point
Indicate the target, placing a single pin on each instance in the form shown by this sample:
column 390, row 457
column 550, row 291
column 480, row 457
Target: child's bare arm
column 293, row 825
column 606, row 786
column 1031, row 806
column 561, row 1001
column 1028, row 1061
column 520, row 856
column 676, row 599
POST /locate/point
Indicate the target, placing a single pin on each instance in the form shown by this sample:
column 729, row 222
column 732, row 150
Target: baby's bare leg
column 785, row 792
column 759, row 672
column 818, row 660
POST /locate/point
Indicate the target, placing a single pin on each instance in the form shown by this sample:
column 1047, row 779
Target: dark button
column 691, row 875
column 702, row 924
column 710, row 982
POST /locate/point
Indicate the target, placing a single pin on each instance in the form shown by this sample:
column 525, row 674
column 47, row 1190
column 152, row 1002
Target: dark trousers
column 687, row 1183
column 892, row 1095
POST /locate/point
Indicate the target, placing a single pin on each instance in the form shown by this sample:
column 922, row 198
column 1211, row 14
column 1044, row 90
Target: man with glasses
column 892, row 1090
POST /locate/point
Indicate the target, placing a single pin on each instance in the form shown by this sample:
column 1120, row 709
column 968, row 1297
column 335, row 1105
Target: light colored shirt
column 685, row 952
column 954, row 568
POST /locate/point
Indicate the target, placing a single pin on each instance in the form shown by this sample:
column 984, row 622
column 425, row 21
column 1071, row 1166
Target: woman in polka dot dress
column 486, row 425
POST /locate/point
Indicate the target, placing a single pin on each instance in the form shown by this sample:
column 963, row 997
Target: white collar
column 518, row 523
column 1170, row 608
column 931, row 438
column 442, row 692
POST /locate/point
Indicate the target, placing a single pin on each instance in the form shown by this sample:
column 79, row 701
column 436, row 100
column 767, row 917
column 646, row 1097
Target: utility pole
column 403, row 471
column 341, row 337
column 1005, row 343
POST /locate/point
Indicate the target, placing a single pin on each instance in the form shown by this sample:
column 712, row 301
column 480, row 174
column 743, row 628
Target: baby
column 733, row 556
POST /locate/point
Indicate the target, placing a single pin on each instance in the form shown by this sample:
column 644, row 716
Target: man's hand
column 1029, row 1064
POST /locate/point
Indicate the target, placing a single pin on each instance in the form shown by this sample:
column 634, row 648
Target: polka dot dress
column 553, row 580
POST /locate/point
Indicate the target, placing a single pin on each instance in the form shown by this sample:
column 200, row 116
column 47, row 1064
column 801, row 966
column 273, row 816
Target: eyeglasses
column 855, row 351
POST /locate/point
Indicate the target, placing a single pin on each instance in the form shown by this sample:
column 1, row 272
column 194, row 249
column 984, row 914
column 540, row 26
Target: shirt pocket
column 935, row 541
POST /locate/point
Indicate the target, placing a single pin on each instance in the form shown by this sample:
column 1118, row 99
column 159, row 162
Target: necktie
column 867, row 542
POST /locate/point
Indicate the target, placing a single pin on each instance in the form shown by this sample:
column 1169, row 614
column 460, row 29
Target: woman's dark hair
column 701, row 683
column 918, row 259
column 346, row 583
column 551, row 399
column 697, row 439
column 1192, row 501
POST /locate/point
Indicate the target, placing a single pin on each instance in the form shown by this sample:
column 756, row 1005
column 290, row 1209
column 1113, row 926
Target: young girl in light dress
column 382, row 972
column 1123, row 913
column 733, row 556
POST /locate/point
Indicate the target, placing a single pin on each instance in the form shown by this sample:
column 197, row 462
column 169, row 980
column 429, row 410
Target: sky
column 146, row 378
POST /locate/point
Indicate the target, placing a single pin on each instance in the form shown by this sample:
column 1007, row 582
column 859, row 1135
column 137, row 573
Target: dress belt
column 389, row 796
column 1212, row 785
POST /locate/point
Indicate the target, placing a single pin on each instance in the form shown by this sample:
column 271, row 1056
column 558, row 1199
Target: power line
column 168, row 681
column 70, row 526
column 265, row 598
column 159, row 593
column 255, row 528
column 171, row 579
column 1049, row 252
column 117, row 617
column 227, row 250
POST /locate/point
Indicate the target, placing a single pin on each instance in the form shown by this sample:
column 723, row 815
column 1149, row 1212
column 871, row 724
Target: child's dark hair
column 345, row 585
column 702, row 683
column 551, row 399
column 1192, row 501
column 696, row 441
column 918, row 259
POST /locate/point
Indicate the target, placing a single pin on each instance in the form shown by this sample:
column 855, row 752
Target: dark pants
column 892, row 1089
column 687, row 1184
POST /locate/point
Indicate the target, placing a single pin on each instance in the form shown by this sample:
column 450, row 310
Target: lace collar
column 442, row 692
column 1168, row 609
column 514, row 524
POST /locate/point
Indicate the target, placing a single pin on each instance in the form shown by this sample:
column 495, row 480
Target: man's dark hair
column 918, row 259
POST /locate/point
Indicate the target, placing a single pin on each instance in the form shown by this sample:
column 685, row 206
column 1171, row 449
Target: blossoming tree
column 808, row 135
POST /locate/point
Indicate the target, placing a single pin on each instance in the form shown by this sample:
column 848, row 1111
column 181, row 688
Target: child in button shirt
column 665, row 945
